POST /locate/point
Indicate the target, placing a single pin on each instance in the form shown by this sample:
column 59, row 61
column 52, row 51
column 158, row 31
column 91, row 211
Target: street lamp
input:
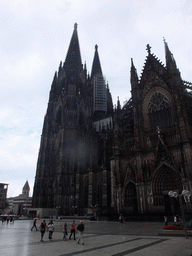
column 175, row 195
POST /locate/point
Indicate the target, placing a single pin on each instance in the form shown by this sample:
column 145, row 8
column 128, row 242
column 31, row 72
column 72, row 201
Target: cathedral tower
column 69, row 147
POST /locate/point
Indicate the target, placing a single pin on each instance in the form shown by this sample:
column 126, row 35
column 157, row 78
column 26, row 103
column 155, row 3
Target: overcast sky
column 35, row 36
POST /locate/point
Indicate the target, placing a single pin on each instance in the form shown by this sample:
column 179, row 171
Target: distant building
column 3, row 196
column 19, row 205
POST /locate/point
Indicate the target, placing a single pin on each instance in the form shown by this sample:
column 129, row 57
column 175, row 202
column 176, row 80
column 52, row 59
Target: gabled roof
column 152, row 63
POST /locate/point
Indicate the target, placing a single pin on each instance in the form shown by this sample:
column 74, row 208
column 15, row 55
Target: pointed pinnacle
column 148, row 48
column 75, row 26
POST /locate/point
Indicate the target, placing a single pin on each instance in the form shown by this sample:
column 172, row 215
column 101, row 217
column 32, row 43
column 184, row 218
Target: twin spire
column 73, row 58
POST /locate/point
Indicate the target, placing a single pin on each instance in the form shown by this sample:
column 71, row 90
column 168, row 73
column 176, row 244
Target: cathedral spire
column 134, row 76
column 73, row 58
column 118, row 103
column 134, row 83
column 96, row 67
column 170, row 61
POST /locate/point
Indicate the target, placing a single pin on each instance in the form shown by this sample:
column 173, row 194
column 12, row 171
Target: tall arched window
column 159, row 111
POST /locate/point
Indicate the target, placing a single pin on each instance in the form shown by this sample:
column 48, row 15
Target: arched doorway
column 166, row 179
column 130, row 199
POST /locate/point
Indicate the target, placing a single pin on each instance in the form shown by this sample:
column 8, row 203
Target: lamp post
column 175, row 195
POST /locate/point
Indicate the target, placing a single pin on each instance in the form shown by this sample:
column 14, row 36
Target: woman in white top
column 51, row 229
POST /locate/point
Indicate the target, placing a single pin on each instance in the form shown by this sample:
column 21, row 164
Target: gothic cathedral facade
column 73, row 170
column 96, row 158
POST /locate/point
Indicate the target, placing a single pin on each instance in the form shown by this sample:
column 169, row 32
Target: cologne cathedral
column 95, row 158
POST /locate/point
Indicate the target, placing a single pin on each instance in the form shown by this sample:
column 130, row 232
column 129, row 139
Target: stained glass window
column 159, row 111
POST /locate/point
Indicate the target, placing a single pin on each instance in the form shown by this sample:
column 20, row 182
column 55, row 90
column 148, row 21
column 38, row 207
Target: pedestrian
column 65, row 231
column 51, row 229
column 175, row 219
column 165, row 220
column 43, row 227
column 80, row 229
column 12, row 219
column 121, row 219
column 72, row 230
column 34, row 225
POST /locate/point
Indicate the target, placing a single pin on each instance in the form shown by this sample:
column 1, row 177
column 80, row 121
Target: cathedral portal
column 166, row 179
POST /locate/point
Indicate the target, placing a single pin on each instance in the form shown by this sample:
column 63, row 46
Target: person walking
column 51, row 229
column 165, row 220
column 80, row 229
column 43, row 227
column 65, row 231
column 121, row 218
column 34, row 225
column 72, row 230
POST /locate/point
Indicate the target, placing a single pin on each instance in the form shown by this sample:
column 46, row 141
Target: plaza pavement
column 101, row 238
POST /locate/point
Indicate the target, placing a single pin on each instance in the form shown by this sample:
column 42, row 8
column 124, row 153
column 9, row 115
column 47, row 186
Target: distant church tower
column 26, row 189
column 68, row 157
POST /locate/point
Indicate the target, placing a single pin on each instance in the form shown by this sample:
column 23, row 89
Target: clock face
column 158, row 102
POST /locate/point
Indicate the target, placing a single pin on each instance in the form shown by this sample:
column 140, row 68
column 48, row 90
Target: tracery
column 159, row 111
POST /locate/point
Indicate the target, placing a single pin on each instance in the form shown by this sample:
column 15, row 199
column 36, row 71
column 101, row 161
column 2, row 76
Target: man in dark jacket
column 34, row 225
column 80, row 228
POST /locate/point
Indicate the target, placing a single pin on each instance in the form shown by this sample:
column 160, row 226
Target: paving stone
column 100, row 238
